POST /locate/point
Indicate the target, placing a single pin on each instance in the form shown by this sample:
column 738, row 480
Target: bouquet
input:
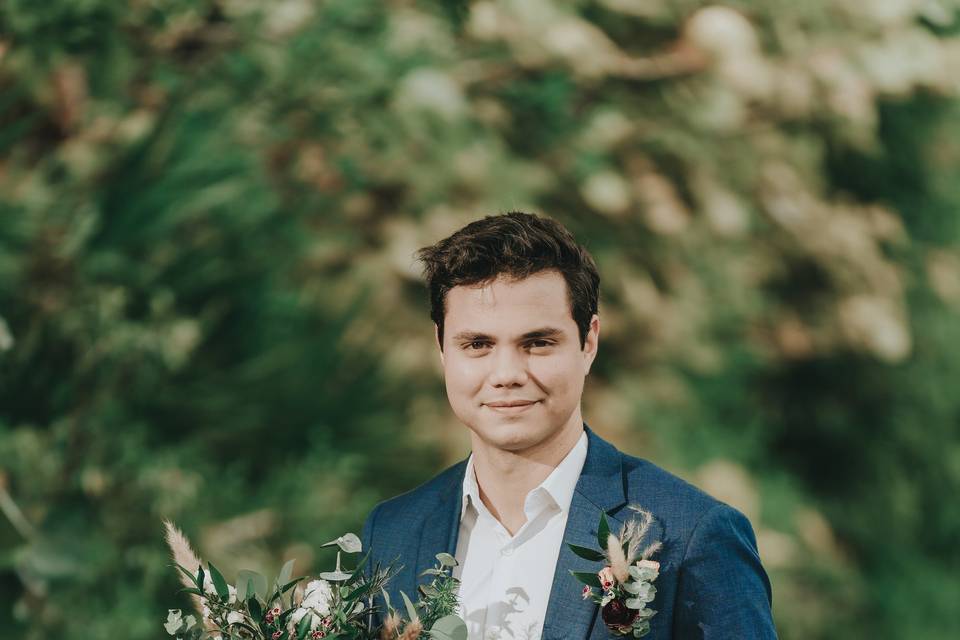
column 337, row 604
column 624, row 586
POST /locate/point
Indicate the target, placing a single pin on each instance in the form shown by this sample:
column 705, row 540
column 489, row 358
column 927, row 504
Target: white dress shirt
column 506, row 581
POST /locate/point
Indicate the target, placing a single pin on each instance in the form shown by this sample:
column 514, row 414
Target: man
column 514, row 302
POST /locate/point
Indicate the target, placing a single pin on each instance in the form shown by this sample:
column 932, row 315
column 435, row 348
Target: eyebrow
column 543, row 332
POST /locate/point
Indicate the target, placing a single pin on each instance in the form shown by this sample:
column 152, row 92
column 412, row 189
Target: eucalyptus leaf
column 259, row 583
column 449, row 628
column 348, row 543
column 242, row 588
column 335, row 576
column 285, row 572
column 411, row 610
column 446, row 560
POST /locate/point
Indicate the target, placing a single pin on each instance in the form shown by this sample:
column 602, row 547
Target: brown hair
column 516, row 245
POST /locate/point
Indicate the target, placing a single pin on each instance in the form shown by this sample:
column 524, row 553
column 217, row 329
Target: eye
column 539, row 344
column 476, row 345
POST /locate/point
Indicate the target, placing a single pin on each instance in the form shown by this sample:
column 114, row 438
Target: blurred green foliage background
column 210, row 311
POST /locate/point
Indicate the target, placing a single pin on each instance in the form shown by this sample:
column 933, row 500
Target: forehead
column 509, row 304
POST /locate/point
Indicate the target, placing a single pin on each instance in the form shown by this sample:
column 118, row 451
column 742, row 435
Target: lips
column 510, row 407
column 510, row 403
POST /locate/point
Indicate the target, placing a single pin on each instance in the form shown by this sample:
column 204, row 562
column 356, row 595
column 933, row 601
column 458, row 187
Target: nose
column 509, row 369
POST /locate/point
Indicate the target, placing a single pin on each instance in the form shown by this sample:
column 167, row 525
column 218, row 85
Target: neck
column 506, row 477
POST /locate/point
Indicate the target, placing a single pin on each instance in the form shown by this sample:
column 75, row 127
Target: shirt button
column 506, row 551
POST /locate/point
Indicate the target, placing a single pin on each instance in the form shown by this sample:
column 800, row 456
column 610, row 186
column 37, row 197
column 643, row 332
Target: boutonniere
column 624, row 586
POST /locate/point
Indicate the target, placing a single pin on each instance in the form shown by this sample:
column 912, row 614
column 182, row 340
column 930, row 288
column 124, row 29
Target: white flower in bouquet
column 317, row 596
column 332, row 604
column 176, row 622
column 315, row 604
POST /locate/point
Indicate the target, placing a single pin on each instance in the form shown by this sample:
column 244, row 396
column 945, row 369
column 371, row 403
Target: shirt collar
column 559, row 485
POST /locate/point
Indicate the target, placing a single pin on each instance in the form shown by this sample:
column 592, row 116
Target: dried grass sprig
column 618, row 561
column 184, row 555
column 391, row 625
column 412, row 631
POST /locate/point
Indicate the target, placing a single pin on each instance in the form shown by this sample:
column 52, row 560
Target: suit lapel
column 442, row 526
column 599, row 489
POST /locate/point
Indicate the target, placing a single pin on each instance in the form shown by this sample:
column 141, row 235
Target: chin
column 512, row 435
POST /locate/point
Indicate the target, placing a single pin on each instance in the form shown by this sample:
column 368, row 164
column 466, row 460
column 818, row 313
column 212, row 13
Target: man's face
column 512, row 361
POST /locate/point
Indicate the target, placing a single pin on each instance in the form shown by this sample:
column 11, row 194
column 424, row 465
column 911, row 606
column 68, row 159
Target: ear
column 591, row 343
column 436, row 337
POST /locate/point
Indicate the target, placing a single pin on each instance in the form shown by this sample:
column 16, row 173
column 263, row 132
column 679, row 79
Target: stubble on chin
column 515, row 435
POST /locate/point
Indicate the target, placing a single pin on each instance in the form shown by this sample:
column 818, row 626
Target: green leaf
column 219, row 583
column 603, row 531
column 285, row 572
column 356, row 593
column 449, row 628
column 256, row 611
column 587, row 578
column 192, row 576
column 585, row 553
column 386, row 599
column 358, row 571
column 411, row 610
column 282, row 590
column 446, row 560
column 304, row 627
column 245, row 576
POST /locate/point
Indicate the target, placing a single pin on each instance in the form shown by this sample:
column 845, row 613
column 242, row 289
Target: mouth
column 511, row 407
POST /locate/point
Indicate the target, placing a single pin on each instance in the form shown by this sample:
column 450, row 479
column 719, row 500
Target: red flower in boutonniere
column 625, row 584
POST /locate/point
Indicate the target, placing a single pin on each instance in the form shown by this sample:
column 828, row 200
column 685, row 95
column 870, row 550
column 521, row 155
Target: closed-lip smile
column 511, row 406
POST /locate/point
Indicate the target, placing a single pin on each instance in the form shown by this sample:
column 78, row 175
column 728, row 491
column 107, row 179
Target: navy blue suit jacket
column 711, row 583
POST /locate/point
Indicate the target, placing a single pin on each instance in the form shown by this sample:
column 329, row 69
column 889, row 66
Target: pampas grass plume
column 413, row 630
column 183, row 555
column 390, row 625
column 618, row 561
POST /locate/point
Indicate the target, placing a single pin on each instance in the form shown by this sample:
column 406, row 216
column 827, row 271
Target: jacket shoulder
column 679, row 505
column 404, row 510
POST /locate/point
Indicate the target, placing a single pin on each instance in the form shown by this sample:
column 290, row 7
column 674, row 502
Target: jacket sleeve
column 723, row 591
column 366, row 539
column 366, row 536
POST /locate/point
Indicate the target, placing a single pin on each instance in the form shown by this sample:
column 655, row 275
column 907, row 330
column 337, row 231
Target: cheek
column 559, row 376
column 463, row 374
